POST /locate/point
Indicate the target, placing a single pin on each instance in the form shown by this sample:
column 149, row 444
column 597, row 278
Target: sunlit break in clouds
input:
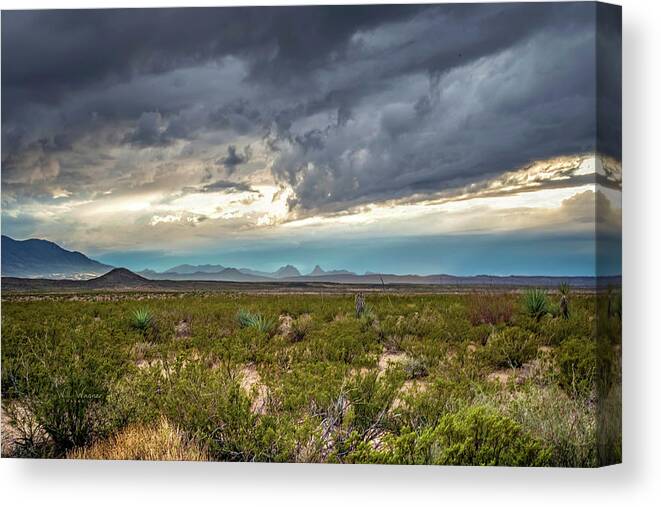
column 423, row 139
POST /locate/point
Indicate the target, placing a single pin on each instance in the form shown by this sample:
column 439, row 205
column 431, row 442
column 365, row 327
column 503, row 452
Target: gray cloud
column 233, row 159
column 347, row 105
column 149, row 131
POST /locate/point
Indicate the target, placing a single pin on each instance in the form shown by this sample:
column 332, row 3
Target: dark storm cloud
column 46, row 53
column 149, row 131
column 355, row 104
column 234, row 158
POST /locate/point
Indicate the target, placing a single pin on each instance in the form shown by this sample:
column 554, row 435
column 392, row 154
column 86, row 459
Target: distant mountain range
column 36, row 258
column 220, row 273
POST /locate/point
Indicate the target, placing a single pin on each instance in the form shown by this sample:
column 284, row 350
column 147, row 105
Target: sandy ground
column 251, row 382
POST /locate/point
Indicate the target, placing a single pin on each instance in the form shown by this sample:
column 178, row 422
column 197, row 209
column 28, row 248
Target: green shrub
column 566, row 425
column 64, row 390
column 535, row 302
column 473, row 436
column 341, row 341
column 510, row 348
column 209, row 405
column 415, row 367
column 370, row 397
column 577, row 365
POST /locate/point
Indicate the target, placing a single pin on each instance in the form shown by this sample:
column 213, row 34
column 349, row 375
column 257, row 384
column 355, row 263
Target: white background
column 636, row 482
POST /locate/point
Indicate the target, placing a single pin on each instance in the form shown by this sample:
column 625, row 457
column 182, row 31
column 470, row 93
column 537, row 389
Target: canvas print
column 377, row 234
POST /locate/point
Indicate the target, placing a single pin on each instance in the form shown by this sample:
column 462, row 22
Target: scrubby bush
column 510, row 347
column 64, row 387
column 212, row 407
column 566, row 425
column 142, row 350
column 415, row 367
column 473, row 436
column 577, row 365
column 340, row 341
column 301, row 327
column 490, row 309
column 370, row 397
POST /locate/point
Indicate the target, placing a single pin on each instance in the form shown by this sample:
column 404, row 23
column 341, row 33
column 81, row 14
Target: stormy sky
column 455, row 138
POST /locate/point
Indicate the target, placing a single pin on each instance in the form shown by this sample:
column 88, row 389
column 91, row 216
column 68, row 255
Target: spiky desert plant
column 263, row 324
column 359, row 302
column 564, row 300
column 142, row 319
column 536, row 303
column 244, row 317
column 257, row 321
column 368, row 315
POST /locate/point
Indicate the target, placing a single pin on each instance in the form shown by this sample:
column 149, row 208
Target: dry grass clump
column 485, row 308
column 301, row 327
column 158, row 442
column 141, row 351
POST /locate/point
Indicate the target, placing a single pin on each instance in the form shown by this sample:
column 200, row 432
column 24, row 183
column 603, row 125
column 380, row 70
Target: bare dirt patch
column 251, row 382
column 182, row 330
column 9, row 435
column 534, row 369
column 501, row 376
column 410, row 387
column 24, row 427
column 391, row 358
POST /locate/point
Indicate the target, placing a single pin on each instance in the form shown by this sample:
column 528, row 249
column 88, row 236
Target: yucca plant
column 359, row 303
column 262, row 323
column 368, row 315
column 564, row 300
column 142, row 319
column 536, row 303
column 244, row 317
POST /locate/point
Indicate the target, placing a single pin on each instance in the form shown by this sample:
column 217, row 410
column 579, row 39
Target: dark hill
column 38, row 258
column 119, row 278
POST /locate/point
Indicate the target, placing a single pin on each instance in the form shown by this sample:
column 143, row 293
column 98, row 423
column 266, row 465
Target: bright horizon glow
column 214, row 226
